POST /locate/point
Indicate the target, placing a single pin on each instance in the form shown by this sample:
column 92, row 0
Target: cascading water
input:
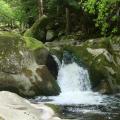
column 73, row 78
column 77, row 100
column 74, row 83
column 57, row 61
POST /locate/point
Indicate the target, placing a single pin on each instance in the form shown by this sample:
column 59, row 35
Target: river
column 77, row 100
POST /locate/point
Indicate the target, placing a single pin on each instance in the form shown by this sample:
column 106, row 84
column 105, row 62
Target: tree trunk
column 67, row 21
column 40, row 7
column 57, row 10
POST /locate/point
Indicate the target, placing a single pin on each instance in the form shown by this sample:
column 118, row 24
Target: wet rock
column 43, row 57
column 55, row 49
column 49, row 84
column 67, row 58
column 103, row 87
column 102, row 57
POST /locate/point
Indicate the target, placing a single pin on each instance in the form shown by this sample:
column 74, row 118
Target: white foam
column 77, row 97
column 75, row 86
column 73, row 78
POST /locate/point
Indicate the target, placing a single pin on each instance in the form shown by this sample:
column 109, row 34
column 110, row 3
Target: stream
column 77, row 100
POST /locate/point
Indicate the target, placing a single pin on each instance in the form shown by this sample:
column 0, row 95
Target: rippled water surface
column 108, row 110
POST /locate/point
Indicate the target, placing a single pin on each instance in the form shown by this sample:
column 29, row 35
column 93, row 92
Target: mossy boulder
column 38, row 29
column 33, row 44
column 56, row 108
column 56, row 48
column 19, row 71
column 41, row 54
column 102, row 57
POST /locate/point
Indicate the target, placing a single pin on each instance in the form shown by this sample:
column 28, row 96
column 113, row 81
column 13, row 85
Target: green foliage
column 30, row 7
column 104, row 13
column 17, row 11
column 51, row 5
column 6, row 13
column 73, row 3
column 107, row 12
column 20, row 14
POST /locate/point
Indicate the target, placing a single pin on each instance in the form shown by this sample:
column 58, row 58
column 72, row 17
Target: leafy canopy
column 107, row 14
column 6, row 13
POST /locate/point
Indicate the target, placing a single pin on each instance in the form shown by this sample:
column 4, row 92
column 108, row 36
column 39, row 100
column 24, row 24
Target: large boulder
column 55, row 48
column 102, row 57
column 13, row 107
column 42, row 54
column 43, row 57
column 19, row 71
column 50, row 35
column 38, row 29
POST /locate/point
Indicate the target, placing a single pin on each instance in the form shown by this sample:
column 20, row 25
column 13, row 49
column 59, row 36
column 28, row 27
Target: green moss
column 57, row 109
column 33, row 43
column 28, row 33
column 9, row 34
column 40, row 23
column 104, row 66
column 10, row 43
column 38, row 30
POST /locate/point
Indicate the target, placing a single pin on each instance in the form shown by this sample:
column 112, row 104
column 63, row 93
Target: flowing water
column 77, row 100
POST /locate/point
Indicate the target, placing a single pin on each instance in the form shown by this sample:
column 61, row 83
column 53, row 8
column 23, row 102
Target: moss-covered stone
column 33, row 44
column 38, row 30
column 19, row 71
column 28, row 73
column 10, row 50
column 102, row 56
column 56, row 108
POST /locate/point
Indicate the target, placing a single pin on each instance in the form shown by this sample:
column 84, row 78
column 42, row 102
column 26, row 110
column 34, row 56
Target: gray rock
column 102, row 57
column 43, row 57
column 13, row 107
column 19, row 71
column 50, row 35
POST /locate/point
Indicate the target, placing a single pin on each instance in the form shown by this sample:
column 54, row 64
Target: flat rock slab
column 14, row 107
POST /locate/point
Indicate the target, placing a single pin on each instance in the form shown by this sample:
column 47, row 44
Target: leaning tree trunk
column 67, row 21
column 40, row 7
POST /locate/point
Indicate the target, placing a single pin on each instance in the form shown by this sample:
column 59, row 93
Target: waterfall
column 74, row 78
column 71, row 76
column 74, row 83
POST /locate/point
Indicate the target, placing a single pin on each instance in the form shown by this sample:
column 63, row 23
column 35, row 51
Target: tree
column 107, row 14
column 40, row 7
column 67, row 21
column 6, row 12
column 63, row 6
